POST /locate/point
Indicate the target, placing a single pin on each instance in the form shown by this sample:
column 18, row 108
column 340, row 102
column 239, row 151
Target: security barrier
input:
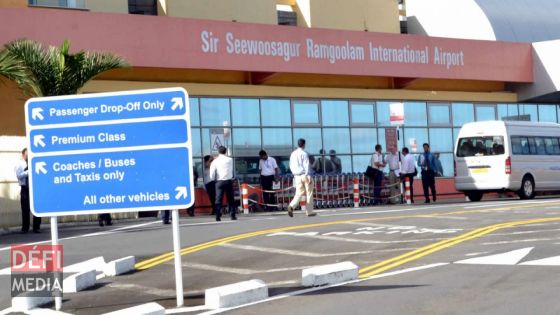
column 330, row 191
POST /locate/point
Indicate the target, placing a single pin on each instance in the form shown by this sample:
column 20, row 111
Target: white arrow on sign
column 177, row 102
column 38, row 140
column 36, row 113
column 181, row 192
column 40, row 167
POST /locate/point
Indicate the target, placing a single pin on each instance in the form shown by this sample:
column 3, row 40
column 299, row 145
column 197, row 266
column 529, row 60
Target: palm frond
column 13, row 69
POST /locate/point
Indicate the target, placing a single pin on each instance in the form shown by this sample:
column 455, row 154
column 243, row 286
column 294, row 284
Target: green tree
column 13, row 69
column 55, row 71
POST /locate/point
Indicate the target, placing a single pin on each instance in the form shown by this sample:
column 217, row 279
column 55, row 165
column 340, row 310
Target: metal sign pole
column 54, row 240
column 400, row 160
column 177, row 254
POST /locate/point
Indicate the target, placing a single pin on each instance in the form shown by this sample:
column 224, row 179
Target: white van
column 497, row 156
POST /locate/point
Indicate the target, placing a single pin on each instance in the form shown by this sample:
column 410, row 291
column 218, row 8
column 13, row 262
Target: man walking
column 299, row 165
column 392, row 159
column 408, row 170
column 221, row 171
column 378, row 165
column 22, row 173
column 428, row 164
column 269, row 172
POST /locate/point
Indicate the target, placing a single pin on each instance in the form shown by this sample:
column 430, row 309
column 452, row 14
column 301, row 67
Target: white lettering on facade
column 334, row 53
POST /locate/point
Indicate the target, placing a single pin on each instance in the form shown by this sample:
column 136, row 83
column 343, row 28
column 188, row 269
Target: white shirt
column 21, row 173
column 299, row 162
column 393, row 161
column 377, row 158
column 408, row 164
column 221, row 168
column 268, row 167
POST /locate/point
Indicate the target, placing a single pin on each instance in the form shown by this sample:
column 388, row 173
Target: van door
column 481, row 161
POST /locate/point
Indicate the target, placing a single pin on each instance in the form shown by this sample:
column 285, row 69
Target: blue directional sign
column 109, row 152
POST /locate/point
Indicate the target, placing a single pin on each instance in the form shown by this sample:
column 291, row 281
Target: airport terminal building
column 262, row 73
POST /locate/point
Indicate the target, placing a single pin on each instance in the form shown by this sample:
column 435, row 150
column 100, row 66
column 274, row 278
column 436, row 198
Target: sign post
column 111, row 152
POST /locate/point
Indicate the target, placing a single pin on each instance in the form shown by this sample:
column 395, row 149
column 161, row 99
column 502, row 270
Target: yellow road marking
column 426, row 250
column 158, row 260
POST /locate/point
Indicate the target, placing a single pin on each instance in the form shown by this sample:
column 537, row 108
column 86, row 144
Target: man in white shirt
column 221, row 171
column 392, row 160
column 378, row 165
column 269, row 173
column 22, row 174
column 299, row 165
column 408, row 170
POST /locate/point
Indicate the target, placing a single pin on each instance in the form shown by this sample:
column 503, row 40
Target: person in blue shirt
column 427, row 163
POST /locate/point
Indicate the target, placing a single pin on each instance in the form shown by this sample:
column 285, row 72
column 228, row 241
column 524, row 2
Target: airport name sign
column 109, row 152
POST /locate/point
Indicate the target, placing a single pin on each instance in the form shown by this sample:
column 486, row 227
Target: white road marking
column 509, row 258
column 240, row 271
column 6, row 311
column 522, row 232
column 420, row 208
column 289, row 252
column 476, row 254
column 350, row 240
column 513, row 202
column 550, row 261
column 443, row 217
column 304, row 291
column 115, row 231
column 519, row 241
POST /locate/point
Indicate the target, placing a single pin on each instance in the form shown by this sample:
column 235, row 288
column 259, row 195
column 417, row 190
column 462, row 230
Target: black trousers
column 166, row 215
column 268, row 198
column 377, row 179
column 411, row 179
column 224, row 187
column 26, row 212
column 429, row 182
column 105, row 217
column 211, row 191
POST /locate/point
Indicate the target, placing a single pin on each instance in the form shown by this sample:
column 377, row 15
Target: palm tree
column 13, row 69
column 55, row 71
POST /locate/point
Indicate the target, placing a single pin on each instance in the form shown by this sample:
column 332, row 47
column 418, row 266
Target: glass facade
column 349, row 128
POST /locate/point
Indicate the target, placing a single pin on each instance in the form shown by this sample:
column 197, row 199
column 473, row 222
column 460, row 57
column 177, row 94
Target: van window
column 551, row 145
column 520, row 145
column 480, row 146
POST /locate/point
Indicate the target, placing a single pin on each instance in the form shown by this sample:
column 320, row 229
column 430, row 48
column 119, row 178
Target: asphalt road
column 493, row 257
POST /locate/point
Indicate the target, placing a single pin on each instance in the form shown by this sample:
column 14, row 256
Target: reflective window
column 196, row 145
column 245, row 112
column 312, row 138
column 194, row 111
column 439, row 114
column 337, row 139
column 246, row 165
column 462, row 113
column 276, row 112
column 547, row 113
column 455, row 135
column 363, row 140
column 558, row 112
column 345, row 163
column 215, row 111
column 362, row 113
column 212, row 148
column 415, row 138
column 246, row 141
column 485, row 112
column 415, row 114
column 528, row 112
column 197, row 165
column 306, row 113
column 361, row 162
column 508, row 112
column 446, row 160
column 441, row 140
column 334, row 113
column 383, row 113
column 480, row 146
column 277, row 141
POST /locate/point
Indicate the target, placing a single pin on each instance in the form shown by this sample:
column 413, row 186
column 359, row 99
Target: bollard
column 356, row 193
column 407, row 190
column 245, row 197
column 303, row 203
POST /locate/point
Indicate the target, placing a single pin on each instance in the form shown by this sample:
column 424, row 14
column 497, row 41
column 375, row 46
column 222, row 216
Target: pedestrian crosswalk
column 510, row 258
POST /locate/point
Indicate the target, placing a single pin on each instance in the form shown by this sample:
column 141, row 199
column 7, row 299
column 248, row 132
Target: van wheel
column 527, row 190
column 474, row 195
